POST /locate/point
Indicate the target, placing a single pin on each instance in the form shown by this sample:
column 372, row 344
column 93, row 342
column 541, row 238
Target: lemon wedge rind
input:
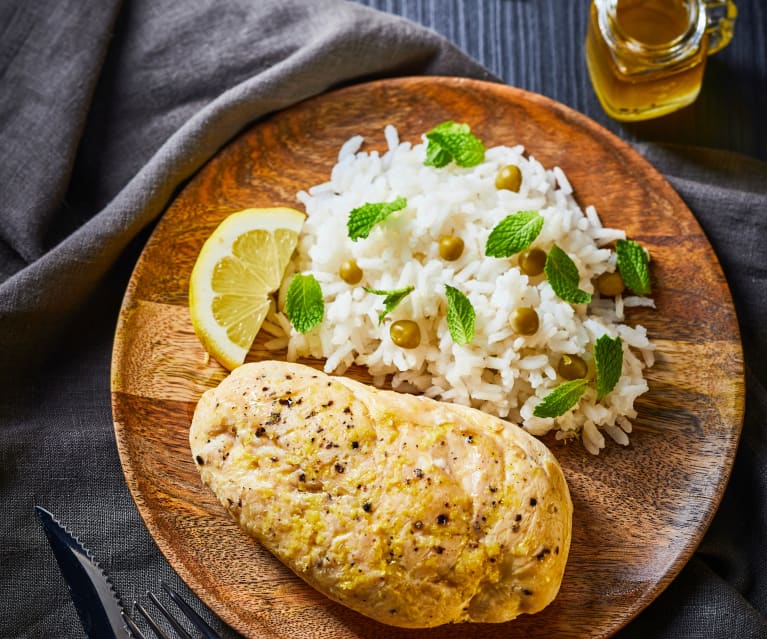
column 238, row 268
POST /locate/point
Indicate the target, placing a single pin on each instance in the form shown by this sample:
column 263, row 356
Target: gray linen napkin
column 106, row 108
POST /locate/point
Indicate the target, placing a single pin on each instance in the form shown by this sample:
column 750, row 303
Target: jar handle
column 721, row 16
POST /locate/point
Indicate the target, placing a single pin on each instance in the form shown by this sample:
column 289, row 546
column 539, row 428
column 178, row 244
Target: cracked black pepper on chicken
column 411, row 511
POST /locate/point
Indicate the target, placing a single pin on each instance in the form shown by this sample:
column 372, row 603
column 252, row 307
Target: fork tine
column 176, row 625
column 132, row 626
column 152, row 624
column 190, row 613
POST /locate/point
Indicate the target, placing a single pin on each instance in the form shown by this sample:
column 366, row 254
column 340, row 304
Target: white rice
column 498, row 372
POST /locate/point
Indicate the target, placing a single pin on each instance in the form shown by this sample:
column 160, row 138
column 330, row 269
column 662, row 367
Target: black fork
column 195, row 619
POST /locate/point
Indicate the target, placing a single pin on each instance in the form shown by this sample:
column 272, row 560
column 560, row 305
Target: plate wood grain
column 640, row 511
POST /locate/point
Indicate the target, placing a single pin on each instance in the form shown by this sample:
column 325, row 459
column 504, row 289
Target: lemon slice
column 238, row 268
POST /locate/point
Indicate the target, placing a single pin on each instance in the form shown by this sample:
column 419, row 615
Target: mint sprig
column 634, row 267
column 460, row 316
column 562, row 274
column 453, row 142
column 364, row 218
column 513, row 234
column 304, row 305
column 392, row 299
column 608, row 357
column 561, row 399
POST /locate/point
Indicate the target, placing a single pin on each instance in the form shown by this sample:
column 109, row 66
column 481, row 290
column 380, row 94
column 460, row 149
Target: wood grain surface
column 640, row 511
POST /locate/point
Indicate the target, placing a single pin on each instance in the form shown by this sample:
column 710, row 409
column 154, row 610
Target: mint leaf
column 633, row 265
column 436, row 156
column 451, row 141
column 304, row 305
column 563, row 276
column 561, row 399
column 392, row 299
column 460, row 316
column 364, row 218
column 513, row 234
column 608, row 357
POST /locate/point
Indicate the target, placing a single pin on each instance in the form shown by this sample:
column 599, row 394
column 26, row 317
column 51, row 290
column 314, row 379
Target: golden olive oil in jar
column 646, row 57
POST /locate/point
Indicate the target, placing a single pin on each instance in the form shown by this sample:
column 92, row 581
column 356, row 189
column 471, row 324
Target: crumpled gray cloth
column 106, row 108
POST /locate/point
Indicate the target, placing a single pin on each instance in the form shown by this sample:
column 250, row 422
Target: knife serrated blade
column 95, row 599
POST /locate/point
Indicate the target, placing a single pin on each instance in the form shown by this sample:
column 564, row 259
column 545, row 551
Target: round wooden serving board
column 640, row 511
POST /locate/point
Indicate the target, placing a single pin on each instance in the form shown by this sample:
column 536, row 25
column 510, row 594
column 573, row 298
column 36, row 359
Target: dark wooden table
column 538, row 45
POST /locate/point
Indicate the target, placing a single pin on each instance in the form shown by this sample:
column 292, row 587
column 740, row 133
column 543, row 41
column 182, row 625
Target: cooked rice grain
column 499, row 372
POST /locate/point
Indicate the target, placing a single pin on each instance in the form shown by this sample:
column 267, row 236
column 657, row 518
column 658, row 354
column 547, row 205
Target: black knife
column 96, row 602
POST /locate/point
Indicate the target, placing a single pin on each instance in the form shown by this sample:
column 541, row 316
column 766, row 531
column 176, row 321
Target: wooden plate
column 639, row 512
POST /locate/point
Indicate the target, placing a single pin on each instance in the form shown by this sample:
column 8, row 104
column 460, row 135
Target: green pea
column 572, row 367
column 509, row 178
column 350, row 272
column 405, row 333
column 610, row 284
column 532, row 262
column 450, row 247
column 524, row 321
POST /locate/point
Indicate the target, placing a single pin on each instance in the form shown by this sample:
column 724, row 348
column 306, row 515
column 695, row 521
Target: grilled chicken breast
column 410, row 511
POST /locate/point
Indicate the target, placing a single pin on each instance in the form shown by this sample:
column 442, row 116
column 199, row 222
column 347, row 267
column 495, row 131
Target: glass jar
column 646, row 57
